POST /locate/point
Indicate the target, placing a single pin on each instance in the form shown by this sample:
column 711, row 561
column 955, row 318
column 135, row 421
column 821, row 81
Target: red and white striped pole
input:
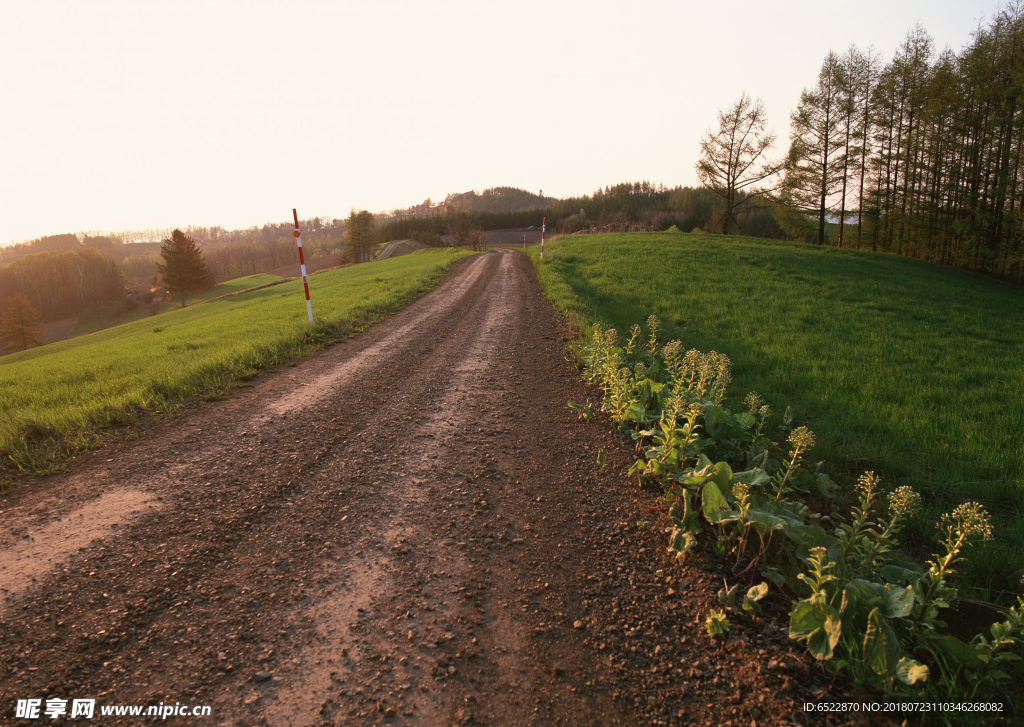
column 302, row 266
column 543, row 224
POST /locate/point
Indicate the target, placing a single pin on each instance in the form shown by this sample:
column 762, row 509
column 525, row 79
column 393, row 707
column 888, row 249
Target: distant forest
column 497, row 199
column 63, row 284
column 69, row 275
column 688, row 208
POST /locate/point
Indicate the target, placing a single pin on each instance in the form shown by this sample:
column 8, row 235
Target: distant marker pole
column 302, row 266
column 524, row 239
column 543, row 224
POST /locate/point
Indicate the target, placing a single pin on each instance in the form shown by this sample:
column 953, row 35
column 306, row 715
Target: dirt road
column 409, row 528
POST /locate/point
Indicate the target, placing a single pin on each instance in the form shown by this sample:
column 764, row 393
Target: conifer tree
column 360, row 236
column 184, row 272
column 817, row 154
column 22, row 328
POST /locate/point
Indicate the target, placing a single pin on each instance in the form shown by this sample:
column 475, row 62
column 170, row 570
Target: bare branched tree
column 732, row 161
column 464, row 232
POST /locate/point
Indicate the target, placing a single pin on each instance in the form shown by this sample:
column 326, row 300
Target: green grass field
column 92, row 324
column 54, row 398
column 899, row 366
column 228, row 287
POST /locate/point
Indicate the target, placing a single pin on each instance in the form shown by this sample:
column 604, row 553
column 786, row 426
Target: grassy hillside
column 899, row 366
column 53, row 397
column 98, row 323
column 233, row 286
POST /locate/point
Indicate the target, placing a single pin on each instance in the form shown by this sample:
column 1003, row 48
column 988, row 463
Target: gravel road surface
column 409, row 528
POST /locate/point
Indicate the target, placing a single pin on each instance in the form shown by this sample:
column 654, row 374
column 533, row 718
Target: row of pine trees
column 922, row 155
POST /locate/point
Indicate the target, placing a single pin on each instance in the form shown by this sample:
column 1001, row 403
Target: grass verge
column 899, row 366
column 56, row 399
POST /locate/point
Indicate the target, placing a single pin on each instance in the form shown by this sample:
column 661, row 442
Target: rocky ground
column 409, row 528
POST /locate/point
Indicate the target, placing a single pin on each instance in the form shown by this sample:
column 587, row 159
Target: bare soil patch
column 407, row 529
column 32, row 550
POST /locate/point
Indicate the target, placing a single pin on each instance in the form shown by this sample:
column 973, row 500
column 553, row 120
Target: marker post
column 302, row 265
column 543, row 224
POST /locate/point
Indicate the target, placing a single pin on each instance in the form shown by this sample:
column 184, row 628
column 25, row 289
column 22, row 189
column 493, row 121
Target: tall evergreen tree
column 862, row 77
column 814, row 169
column 22, row 328
column 183, row 271
column 360, row 236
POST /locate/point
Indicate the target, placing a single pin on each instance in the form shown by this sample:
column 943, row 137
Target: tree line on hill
column 688, row 208
column 63, row 284
column 55, row 243
column 497, row 199
column 257, row 250
column 236, row 253
column 50, row 286
column 66, row 275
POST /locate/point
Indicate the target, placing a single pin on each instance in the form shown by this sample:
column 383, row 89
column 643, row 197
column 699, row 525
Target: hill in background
column 498, row 199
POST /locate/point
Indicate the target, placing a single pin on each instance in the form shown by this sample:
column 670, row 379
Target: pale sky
column 145, row 114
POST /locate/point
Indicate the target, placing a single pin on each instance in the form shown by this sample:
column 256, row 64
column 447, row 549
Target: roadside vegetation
column 56, row 399
column 876, row 475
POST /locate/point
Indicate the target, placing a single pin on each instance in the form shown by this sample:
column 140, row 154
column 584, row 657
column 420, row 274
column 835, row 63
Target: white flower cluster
column 904, row 502
column 969, row 520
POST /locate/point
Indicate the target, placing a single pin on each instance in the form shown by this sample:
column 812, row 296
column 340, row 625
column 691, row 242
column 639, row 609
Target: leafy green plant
column 802, row 439
column 729, row 597
column 858, row 610
column 814, row 619
column 685, row 525
column 671, row 441
column 968, row 523
column 717, row 623
column 585, row 412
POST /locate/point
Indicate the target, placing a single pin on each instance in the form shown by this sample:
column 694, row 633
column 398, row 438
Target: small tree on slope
column 184, row 272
